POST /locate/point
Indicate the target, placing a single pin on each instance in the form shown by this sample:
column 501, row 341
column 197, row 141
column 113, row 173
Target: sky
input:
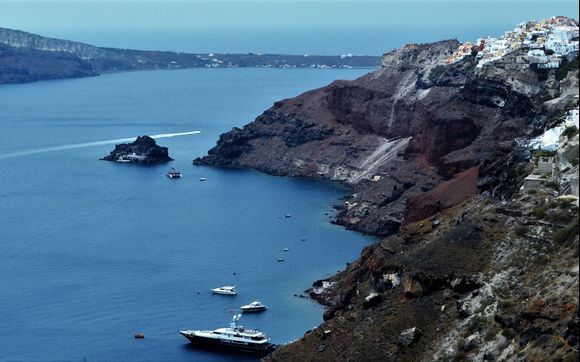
column 271, row 25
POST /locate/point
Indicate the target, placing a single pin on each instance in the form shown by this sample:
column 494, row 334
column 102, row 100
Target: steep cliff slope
column 400, row 131
column 468, row 268
column 18, row 66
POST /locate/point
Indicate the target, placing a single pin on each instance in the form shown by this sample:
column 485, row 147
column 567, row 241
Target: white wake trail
column 89, row 144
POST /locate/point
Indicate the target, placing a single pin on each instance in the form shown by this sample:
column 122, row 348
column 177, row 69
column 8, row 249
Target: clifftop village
column 547, row 42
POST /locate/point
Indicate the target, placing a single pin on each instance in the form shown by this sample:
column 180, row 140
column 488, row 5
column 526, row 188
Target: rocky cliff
column 400, row 131
column 467, row 268
column 26, row 57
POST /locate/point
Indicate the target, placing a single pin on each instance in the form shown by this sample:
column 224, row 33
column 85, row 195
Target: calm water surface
column 92, row 252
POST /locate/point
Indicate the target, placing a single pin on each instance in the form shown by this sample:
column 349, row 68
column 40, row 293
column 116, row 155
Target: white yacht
column 235, row 338
column 225, row 290
column 253, row 307
column 173, row 173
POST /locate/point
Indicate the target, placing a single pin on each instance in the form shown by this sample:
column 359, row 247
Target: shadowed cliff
column 467, row 269
column 398, row 132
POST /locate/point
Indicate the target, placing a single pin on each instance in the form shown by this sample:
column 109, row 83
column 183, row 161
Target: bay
column 92, row 252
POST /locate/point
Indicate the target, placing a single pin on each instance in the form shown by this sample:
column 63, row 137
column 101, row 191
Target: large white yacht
column 235, row 338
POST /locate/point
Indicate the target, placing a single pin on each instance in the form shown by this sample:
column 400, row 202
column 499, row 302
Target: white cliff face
column 567, row 155
column 21, row 39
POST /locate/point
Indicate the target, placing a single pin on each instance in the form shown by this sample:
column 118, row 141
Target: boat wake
column 88, row 144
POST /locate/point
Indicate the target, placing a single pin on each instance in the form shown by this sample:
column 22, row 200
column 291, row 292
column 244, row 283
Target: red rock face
column 396, row 133
column 447, row 194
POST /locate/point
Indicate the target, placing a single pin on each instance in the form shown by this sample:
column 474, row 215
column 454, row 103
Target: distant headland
column 27, row 57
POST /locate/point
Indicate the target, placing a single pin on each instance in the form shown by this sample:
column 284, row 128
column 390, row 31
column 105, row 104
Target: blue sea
column 92, row 252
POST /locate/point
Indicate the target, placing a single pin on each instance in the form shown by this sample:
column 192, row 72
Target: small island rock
column 143, row 150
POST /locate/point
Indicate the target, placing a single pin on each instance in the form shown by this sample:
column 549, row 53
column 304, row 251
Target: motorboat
column 225, row 290
column 235, row 338
column 173, row 173
column 255, row 306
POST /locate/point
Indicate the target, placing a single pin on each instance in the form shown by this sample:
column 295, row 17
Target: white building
column 572, row 118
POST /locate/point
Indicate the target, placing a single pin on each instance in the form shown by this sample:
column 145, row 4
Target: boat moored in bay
column 235, row 338
column 173, row 173
column 225, row 290
column 253, row 307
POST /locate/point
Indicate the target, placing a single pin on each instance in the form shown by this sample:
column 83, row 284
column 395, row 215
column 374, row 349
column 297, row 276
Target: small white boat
column 173, row 173
column 285, row 249
column 225, row 290
column 255, row 306
column 202, row 179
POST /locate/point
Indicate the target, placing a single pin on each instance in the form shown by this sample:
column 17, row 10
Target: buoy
column 139, row 335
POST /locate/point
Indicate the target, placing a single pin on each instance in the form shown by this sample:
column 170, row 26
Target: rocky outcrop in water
column 144, row 150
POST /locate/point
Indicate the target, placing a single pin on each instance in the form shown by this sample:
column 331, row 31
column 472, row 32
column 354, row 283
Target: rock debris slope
column 399, row 132
column 468, row 266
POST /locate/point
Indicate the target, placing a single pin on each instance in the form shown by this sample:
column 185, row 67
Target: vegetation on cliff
column 468, row 267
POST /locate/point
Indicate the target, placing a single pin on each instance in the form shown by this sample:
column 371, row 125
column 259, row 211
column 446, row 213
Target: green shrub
column 564, row 203
column 544, row 153
column 523, row 169
column 561, row 236
column 490, row 334
column 540, row 212
column 461, row 343
column 476, row 324
column 522, row 230
column 436, row 72
column 506, row 303
column 553, row 185
column 565, row 67
column 509, row 333
column 559, row 217
column 542, row 74
column 570, row 132
column 546, row 97
column 460, row 356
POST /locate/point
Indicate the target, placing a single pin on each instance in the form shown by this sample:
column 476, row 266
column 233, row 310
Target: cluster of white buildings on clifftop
column 547, row 41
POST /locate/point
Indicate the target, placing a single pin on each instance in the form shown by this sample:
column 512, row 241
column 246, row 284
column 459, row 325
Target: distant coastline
column 27, row 57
